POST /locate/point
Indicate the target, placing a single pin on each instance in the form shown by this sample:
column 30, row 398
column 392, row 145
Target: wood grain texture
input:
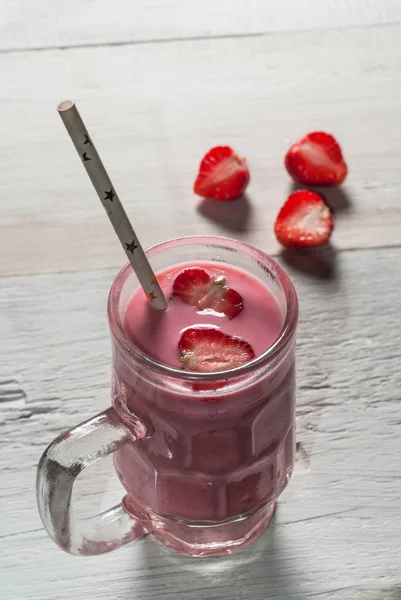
column 154, row 110
column 338, row 524
column 27, row 24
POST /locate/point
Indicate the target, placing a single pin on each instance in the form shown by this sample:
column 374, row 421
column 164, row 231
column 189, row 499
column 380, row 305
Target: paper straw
column 111, row 203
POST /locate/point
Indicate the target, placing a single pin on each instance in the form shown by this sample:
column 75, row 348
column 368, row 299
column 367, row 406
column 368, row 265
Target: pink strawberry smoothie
column 158, row 334
column 207, row 459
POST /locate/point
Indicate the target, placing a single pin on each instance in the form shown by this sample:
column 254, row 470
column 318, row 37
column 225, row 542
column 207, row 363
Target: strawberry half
column 304, row 220
column 209, row 349
column 316, row 159
column 223, row 175
column 195, row 287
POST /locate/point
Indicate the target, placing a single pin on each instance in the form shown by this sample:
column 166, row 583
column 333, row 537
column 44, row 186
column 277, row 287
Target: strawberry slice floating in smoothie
column 316, row 159
column 208, row 349
column 303, row 221
column 195, row 287
column 223, row 175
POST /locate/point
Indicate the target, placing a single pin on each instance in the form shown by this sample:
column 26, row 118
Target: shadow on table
column 255, row 572
column 320, row 263
column 263, row 571
column 233, row 215
column 337, row 198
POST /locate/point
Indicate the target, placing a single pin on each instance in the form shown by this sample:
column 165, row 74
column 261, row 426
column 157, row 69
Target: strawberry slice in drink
column 207, row 349
column 196, row 287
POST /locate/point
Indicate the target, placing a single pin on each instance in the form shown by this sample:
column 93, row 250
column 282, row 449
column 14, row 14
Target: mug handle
column 61, row 463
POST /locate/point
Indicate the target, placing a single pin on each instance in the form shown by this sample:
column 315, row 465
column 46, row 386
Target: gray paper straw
column 111, row 203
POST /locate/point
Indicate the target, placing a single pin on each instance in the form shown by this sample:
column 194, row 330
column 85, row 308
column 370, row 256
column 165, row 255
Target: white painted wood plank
column 55, row 23
column 153, row 111
column 338, row 524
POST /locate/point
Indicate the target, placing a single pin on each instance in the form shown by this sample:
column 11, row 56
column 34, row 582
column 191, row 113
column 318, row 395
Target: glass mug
column 202, row 465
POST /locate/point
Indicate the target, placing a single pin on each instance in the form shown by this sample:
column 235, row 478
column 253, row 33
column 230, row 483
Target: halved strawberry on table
column 304, row 221
column 196, row 287
column 316, row 159
column 223, row 175
column 207, row 349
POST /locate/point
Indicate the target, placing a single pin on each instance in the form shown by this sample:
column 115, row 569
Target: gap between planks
column 173, row 40
column 313, row 252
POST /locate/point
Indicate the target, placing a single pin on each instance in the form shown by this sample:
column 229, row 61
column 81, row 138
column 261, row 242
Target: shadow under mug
column 202, row 456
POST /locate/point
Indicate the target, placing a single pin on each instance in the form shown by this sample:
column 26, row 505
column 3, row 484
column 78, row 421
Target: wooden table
column 158, row 83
